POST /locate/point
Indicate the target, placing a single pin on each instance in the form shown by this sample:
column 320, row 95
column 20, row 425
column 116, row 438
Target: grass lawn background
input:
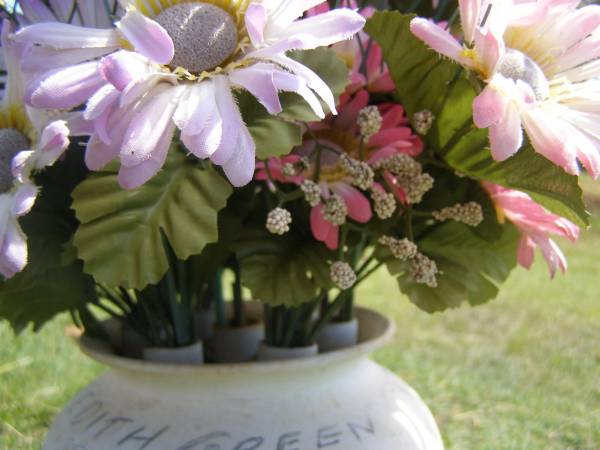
column 522, row 372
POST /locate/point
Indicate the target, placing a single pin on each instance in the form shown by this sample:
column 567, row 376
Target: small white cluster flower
column 360, row 172
column 278, row 221
column 422, row 121
column 385, row 203
column 409, row 176
column 418, row 187
column 424, row 270
column 335, row 210
column 342, row 275
column 369, row 122
column 470, row 213
column 403, row 249
column 288, row 170
column 401, row 165
column 312, row 192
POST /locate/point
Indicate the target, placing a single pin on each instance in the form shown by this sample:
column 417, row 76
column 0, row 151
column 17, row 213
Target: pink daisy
column 176, row 66
column 535, row 225
column 539, row 60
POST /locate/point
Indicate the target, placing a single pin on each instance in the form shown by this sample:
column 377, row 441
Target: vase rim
column 375, row 331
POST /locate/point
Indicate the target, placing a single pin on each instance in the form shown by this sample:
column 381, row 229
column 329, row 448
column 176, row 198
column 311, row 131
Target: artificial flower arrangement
column 153, row 150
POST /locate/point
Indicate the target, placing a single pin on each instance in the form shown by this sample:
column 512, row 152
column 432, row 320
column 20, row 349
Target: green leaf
column 119, row 237
column 471, row 268
column 282, row 270
column 53, row 281
column 272, row 135
column 39, row 293
column 278, row 135
column 425, row 81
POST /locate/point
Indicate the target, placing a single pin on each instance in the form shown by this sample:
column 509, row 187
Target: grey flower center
column 518, row 66
column 204, row 35
column 11, row 143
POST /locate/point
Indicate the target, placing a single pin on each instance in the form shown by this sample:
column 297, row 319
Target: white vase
column 338, row 335
column 270, row 353
column 191, row 354
column 338, row 400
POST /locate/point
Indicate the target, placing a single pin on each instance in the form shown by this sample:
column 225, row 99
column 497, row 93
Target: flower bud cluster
column 470, row 213
column 360, row 172
column 312, row 192
column 409, row 176
column 342, row 275
column 418, row 187
column 424, row 270
column 385, row 203
column 369, row 122
column 401, row 165
column 422, row 121
column 402, row 249
column 278, row 221
column 335, row 210
column 288, row 170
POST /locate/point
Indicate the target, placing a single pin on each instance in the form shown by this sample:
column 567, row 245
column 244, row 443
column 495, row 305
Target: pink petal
column 506, row 137
column 323, row 230
column 232, row 121
column 526, row 252
column 359, row 207
column 63, row 36
column 256, row 20
column 65, row 88
column 147, row 37
column 470, row 15
column 98, row 154
column 390, row 136
column 312, row 79
column 122, row 68
column 489, row 49
column 288, row 82
column 13, row 253
column 258, row 80
column 148, row 125
column 289, row 10
column 348, row 114
column 488, row 108
column 322, row 30
column 24, row 199
column 436, row 38
column 134, row 176
column 240, row 167
column 548, row 138
column 53, row 142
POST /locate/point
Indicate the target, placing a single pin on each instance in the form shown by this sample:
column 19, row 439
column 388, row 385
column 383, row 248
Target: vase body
column 339, row 400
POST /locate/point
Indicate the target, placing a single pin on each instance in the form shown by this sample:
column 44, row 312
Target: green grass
column 522, row 372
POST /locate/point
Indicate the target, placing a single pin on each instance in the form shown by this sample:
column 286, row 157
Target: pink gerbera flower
column 337, row 149
column 535, row 225
column 539, row 60
column 175, row 65
column 26, row 146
